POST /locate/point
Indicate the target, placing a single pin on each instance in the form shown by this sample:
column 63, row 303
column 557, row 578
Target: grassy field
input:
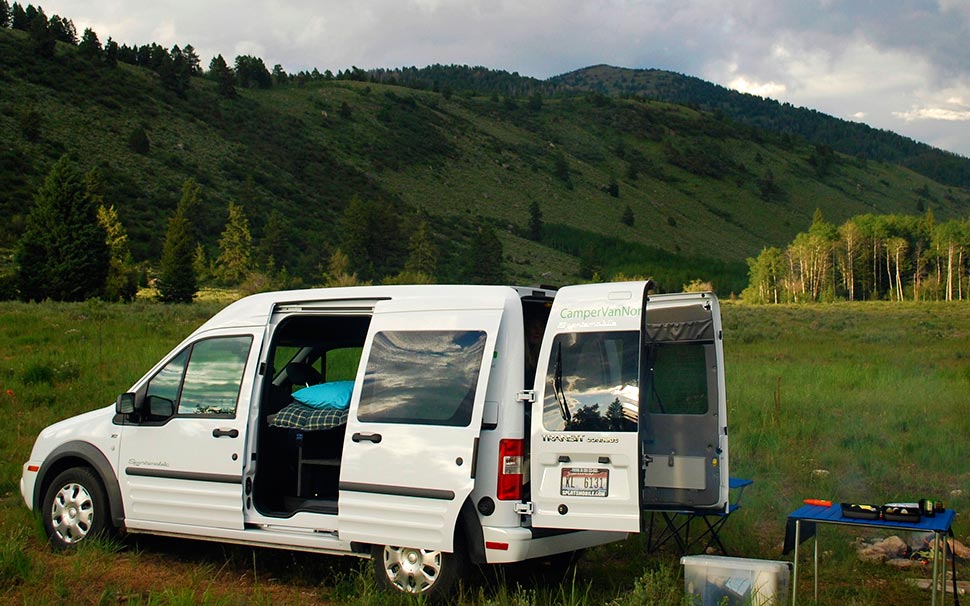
column 862, row 402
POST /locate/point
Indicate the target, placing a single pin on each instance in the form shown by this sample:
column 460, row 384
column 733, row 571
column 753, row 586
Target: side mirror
column 159, row 407
column 125, row 404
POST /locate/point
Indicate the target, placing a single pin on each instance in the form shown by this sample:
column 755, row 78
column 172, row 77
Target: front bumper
column 28, row 479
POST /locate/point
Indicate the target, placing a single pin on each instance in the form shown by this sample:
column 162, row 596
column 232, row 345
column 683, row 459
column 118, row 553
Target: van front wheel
column 74, row 508
column 418, row 571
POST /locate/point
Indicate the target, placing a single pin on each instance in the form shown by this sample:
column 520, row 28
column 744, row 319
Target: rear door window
column 592, row 382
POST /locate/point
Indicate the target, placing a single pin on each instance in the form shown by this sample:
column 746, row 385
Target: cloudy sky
column 901, row 65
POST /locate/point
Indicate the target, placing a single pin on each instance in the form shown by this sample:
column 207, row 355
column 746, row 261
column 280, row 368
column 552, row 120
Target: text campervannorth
column 599, row 312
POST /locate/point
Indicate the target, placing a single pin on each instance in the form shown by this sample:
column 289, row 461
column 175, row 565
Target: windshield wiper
column 557, row 388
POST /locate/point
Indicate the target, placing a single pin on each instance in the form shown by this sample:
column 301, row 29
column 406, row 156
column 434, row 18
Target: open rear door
column 683, row 410
column 409, row 452
column 584, row 441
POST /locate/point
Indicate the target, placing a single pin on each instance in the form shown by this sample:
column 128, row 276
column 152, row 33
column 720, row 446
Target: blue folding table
column 810, row 515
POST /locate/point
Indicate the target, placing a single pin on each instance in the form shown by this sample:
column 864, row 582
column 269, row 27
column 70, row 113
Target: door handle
column 367, row 437
column 218, row 433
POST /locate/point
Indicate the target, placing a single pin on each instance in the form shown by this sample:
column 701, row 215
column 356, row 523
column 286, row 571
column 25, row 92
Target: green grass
column 874, row 394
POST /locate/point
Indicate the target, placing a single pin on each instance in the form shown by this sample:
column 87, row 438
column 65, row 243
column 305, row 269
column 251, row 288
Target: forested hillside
column 851, row 138
column 572, row 184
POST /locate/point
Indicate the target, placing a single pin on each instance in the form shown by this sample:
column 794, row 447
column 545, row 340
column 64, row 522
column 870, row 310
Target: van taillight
column 510, row 461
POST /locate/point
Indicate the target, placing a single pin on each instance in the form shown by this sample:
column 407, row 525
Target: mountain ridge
column 845, row 136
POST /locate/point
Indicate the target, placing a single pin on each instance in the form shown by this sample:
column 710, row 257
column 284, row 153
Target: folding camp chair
column 676, row 524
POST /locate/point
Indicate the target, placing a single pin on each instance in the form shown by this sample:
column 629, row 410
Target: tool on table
column 819, row 502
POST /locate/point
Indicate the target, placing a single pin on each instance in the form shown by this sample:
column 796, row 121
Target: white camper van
column 421, row 426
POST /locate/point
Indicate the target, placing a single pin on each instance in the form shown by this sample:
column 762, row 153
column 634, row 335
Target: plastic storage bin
column 717, row 580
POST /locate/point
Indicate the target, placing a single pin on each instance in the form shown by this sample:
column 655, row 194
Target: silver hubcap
column 412, row 570
column 72, row 513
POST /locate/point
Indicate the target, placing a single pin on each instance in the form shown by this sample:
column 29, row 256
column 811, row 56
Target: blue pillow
column 335, row 394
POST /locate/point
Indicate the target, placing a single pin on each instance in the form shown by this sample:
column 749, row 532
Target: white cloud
column 934, row 113
column 762, row 89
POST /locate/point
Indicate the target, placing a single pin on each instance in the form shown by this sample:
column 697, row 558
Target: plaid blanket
column 300, row 416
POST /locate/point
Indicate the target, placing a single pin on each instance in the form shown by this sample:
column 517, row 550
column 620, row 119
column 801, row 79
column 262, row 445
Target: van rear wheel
column 75, row 508
column 429, row 572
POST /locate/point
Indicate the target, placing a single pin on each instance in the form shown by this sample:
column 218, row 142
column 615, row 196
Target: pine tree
column 422, row 253
column 138, row 141
column 4, row 14
column 280, row 76
column 272, row 251
column 90, row 46
column 627, row 217
column 181, row 76
column 18, row 17
column 41, row 35
column 486, row 261
column 338, row 271
column 63, row 30
column 251, row 72
column 177, row 279
column 122, row 280
column 224, row 77
column 613, row 188
column 192, row 60
column 372, row 239
column 62, row 254
column 535, row 221
column 561, row 170
column 111, row 52
column 235, row 247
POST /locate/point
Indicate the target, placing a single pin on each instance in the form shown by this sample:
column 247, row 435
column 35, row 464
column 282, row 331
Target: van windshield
column 591, row 382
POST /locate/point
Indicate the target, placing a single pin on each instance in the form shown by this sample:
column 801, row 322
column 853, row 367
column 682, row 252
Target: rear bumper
column 505, row 545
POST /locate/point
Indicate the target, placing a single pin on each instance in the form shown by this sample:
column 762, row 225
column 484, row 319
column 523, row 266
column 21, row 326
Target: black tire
column 434, row 574
column 75, row 508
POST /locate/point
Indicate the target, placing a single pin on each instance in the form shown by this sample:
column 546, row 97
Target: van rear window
column 426, row 377
column 592, row 382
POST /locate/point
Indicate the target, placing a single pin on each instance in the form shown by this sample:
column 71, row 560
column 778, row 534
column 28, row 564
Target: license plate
column 585, row 482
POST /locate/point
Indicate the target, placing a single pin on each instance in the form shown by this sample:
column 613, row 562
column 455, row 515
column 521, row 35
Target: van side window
column 592, row 382
column 203, row 379
column 213, row 376
column 422, row 377
column 164, row 386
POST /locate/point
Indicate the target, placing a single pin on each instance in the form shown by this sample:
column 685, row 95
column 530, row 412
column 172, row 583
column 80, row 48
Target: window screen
column 422, row 377
column 679, row 378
